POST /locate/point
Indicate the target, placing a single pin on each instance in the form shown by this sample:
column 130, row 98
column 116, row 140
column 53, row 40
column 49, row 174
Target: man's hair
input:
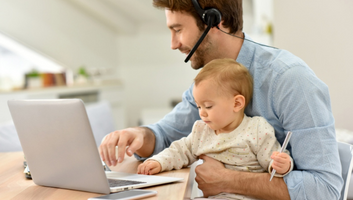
column 232, row 11
column 229, row 76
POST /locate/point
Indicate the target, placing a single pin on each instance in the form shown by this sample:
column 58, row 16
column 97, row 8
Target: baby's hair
column 229, row 75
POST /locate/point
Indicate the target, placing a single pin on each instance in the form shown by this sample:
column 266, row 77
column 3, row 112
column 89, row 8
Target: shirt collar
column 246, row 53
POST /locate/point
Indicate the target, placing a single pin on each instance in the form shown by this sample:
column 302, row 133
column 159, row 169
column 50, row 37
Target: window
column 16, row 60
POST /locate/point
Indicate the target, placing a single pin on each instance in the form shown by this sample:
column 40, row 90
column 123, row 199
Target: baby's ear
column 239, row 102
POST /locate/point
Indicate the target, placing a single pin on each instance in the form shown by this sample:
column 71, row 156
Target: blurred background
column 118, row 51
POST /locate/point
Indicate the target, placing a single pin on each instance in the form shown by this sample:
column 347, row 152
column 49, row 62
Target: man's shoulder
column 277, row 60
column 256, row 56
column 273, row 65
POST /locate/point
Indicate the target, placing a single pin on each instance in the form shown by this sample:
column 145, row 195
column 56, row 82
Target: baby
column 222, row 90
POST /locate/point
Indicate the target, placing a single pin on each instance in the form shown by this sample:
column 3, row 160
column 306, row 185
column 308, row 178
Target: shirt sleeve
column 178, row 155
column 302, row 104
column 175, row 125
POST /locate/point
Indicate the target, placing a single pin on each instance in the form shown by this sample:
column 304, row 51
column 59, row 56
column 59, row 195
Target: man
column 286, row 92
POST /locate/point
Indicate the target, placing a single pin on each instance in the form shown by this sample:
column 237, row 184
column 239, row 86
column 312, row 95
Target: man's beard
column 202, row 52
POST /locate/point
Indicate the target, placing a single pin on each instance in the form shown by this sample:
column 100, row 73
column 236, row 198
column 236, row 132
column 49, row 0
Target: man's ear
column 220, row 26
column 239, row 102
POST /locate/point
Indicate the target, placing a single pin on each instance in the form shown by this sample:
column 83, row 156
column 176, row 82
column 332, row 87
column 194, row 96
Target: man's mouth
column 185, row 51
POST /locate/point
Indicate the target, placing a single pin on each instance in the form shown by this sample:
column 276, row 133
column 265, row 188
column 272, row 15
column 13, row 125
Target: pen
column 284, row 146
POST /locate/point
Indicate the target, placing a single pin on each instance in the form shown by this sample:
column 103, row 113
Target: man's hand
column 140, row 140
column 210, row 176
column 149, row 167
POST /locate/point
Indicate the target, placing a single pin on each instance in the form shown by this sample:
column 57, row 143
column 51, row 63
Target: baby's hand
column 149, row 167
column 281, row 162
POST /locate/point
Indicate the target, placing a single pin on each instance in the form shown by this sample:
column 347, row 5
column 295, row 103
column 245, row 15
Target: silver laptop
column 60, row 148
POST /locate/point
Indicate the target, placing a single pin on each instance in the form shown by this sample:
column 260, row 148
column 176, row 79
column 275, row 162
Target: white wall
column 152, row 73
column 56, row 29
column 321, row 33
column 317, row 31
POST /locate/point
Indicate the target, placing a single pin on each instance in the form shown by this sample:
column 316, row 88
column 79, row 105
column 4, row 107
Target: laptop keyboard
column 120, row 182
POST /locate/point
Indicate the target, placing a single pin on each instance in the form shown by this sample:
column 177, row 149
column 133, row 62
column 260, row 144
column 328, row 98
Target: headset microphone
column 198, row 43
column 212, row 17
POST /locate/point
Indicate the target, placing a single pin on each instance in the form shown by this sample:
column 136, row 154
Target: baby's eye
column 208, row 107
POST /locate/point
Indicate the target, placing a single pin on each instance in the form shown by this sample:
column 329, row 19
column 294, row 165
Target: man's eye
column 177, row 31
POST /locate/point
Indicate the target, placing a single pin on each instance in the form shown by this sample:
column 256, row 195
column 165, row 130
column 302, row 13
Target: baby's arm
column 178, row 155
column 266, row 148
column 281, row 162
column 149, row 167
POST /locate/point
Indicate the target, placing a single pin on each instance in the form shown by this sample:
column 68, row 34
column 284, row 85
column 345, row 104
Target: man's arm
column 152, row 139
column 213, row 178
column 175, row 125
column 274, row 189
column 148, row 145
column 302, row 104
column 177, row 156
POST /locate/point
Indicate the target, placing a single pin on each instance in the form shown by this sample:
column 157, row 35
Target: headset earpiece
column 208, row 14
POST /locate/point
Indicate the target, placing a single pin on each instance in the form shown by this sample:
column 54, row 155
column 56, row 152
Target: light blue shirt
column 289, row 95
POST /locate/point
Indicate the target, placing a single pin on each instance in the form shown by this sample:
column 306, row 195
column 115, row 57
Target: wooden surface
column 14, row 185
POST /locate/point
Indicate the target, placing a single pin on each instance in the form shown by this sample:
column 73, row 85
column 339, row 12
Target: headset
column 208, row 14
column 211, row 17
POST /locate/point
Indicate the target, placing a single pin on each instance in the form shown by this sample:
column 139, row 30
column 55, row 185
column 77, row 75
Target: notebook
column 60, row 149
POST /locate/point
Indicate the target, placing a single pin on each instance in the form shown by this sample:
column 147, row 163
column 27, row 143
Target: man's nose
column 175, row 43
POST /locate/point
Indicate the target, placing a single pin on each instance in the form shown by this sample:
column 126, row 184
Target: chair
column 101, row 118
column 195, row 191
column 99, row 114
column 9, row 140
column 346, row 154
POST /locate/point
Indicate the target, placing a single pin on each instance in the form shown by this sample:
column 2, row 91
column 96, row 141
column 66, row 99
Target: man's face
column 185, row 34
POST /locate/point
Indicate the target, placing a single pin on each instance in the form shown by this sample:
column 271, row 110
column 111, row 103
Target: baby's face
column 216, row 108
